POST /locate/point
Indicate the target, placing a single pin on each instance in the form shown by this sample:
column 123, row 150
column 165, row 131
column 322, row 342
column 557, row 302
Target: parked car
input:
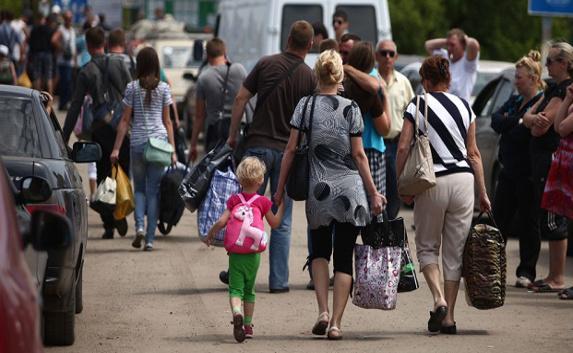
column 19, row 312
column 31, row 144
column 487, row 71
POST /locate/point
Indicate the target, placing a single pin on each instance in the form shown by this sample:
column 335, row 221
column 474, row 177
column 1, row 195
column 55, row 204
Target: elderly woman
column 514, row 192
column 340, row 186
column 544, row 142
column 443, row 214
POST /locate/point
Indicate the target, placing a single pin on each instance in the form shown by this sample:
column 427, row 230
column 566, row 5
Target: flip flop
column 544, row 287
column 334, row 333
column 566, row 294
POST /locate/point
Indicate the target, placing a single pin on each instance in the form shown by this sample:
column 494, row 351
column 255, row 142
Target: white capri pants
column 443, row 217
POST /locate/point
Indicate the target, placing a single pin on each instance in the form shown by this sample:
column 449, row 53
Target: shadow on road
column 184, row 291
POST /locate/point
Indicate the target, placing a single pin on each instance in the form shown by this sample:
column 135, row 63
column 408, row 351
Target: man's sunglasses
column 384, row 53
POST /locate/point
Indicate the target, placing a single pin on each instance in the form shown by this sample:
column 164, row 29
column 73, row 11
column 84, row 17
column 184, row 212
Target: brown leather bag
column 418, row 174
column 484, row 266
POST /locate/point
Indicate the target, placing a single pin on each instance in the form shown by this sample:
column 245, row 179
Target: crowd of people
column 361, row 115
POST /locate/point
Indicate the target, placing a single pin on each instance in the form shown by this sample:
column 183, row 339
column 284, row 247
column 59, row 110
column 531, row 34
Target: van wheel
column 79, row 288
column 59, row 327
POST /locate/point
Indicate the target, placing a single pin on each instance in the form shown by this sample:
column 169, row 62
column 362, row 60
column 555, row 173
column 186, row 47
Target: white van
column 252, row 29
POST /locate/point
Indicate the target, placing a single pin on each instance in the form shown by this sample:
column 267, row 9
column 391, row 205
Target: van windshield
column 362, row 20
column 292, row 13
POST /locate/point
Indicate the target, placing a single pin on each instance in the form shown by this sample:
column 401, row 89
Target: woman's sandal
column 334, row 333
column 436, row 318
column 449, row 330
column 566, row 294
column 321, row 324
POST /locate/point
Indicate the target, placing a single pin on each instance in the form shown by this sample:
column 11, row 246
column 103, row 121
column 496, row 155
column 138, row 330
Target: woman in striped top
column 443, row 214
column 149, row 100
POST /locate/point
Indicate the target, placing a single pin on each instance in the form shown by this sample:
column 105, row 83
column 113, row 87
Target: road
column 170, row 300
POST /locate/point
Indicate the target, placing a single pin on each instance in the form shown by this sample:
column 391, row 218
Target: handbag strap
column 308, row 133
column 143, row 108
column 261, row 100
column 225, row 85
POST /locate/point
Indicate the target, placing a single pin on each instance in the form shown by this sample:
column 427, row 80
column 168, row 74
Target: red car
column 19, row 306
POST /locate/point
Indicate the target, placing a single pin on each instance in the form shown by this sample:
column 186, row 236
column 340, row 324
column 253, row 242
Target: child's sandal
column 321, row 324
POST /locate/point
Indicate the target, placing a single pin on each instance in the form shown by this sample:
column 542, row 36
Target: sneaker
column 138, row 239
column 148, row 247
column 121, row 226
column 107, row 234
column 238, row 329
column 248, row 331
column 224, row 277
column 522, row 282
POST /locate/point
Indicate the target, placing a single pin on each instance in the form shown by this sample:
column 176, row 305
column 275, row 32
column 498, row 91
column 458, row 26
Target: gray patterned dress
column 336, row 191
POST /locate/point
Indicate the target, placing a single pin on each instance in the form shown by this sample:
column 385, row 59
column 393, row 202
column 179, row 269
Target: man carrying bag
column 104, row 79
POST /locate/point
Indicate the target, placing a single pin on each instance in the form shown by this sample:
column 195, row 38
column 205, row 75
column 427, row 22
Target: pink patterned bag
column 377, row 274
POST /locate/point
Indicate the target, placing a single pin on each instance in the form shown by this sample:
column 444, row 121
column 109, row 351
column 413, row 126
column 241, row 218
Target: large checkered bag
column 223, row 185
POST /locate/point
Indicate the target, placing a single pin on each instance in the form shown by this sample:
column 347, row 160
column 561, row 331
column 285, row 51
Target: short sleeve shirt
column 270, row 127
column 263, row 203
column 370, row 137
column 400, row 92
column 210, row 86
column 147, row 119
column 463, row 73
column 336, row 190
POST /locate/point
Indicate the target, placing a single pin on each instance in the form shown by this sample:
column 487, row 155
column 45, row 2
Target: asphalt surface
column 170, row 300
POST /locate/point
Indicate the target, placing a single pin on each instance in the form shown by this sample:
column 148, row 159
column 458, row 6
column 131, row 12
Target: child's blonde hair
column 251, row 171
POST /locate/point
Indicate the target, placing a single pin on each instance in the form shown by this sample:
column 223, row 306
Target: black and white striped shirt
column 449, row 119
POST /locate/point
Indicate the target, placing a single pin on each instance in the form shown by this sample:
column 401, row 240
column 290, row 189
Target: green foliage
column 504, row 28
column 13, row 5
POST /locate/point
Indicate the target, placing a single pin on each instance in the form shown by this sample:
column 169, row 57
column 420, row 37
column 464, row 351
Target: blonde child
column 243, row 267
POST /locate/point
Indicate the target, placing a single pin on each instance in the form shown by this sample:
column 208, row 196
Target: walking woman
column 149, row 99
column 514, row 192
column 443, row 214
column 340, row 186
column 544, row 142
column 558, row 195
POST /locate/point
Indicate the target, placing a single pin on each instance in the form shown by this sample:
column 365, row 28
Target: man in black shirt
column 92, row 80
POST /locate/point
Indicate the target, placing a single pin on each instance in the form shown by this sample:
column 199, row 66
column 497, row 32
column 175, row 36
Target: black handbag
column 393, row 233
column 196, row 183
column 298, row 178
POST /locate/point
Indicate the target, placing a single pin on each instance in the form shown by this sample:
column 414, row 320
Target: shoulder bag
column 298, row 178
column 156, row 150
column 418, row 174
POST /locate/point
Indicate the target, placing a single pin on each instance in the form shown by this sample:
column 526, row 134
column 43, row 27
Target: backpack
column 171, row 205
column 245, row 232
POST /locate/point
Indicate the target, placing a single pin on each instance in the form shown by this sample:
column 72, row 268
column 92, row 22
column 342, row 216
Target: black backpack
column 171, row 205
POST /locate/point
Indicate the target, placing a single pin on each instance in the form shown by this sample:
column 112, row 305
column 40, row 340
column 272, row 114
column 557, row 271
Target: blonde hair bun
column 534, row 55
column 328, row 68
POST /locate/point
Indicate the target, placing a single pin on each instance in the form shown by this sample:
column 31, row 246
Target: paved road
column 170, row 300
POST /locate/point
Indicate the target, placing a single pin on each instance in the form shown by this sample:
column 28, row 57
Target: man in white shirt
column 400, row 94
column 463, row 54
column 66, row 58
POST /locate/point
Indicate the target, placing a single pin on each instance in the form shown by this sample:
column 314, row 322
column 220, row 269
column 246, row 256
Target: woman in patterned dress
column 341, row 190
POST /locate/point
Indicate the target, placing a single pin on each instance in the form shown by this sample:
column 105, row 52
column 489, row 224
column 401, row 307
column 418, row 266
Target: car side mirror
column 86, row 152
column 49, row 231
column 34, row 190
column 189, row 76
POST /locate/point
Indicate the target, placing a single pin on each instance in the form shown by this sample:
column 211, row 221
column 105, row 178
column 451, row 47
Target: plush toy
column 245, row 214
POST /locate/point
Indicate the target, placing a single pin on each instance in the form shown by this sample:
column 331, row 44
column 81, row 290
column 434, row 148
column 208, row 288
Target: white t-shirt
column 463, row 72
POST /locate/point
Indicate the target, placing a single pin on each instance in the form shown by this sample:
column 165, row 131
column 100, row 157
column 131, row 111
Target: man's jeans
column 65, row 85
column 280, row 238
column 393, row 206
column 146, row 180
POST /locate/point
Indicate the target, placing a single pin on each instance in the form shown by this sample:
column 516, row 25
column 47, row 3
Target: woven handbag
column 484, row 266
column 418, row 174
column 298, row 179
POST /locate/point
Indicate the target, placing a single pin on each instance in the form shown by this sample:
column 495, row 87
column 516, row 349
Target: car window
column 484, row 100
column 292, row 13
column 18, row 130
column 481, row 80
column 57, row 134
column 362, row 20
column 503, row 93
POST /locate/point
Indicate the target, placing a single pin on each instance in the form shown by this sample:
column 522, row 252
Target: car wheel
column 59, row 326
column 79, row 288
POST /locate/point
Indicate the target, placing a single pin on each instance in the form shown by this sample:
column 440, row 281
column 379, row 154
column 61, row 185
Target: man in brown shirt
column 279, row 81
